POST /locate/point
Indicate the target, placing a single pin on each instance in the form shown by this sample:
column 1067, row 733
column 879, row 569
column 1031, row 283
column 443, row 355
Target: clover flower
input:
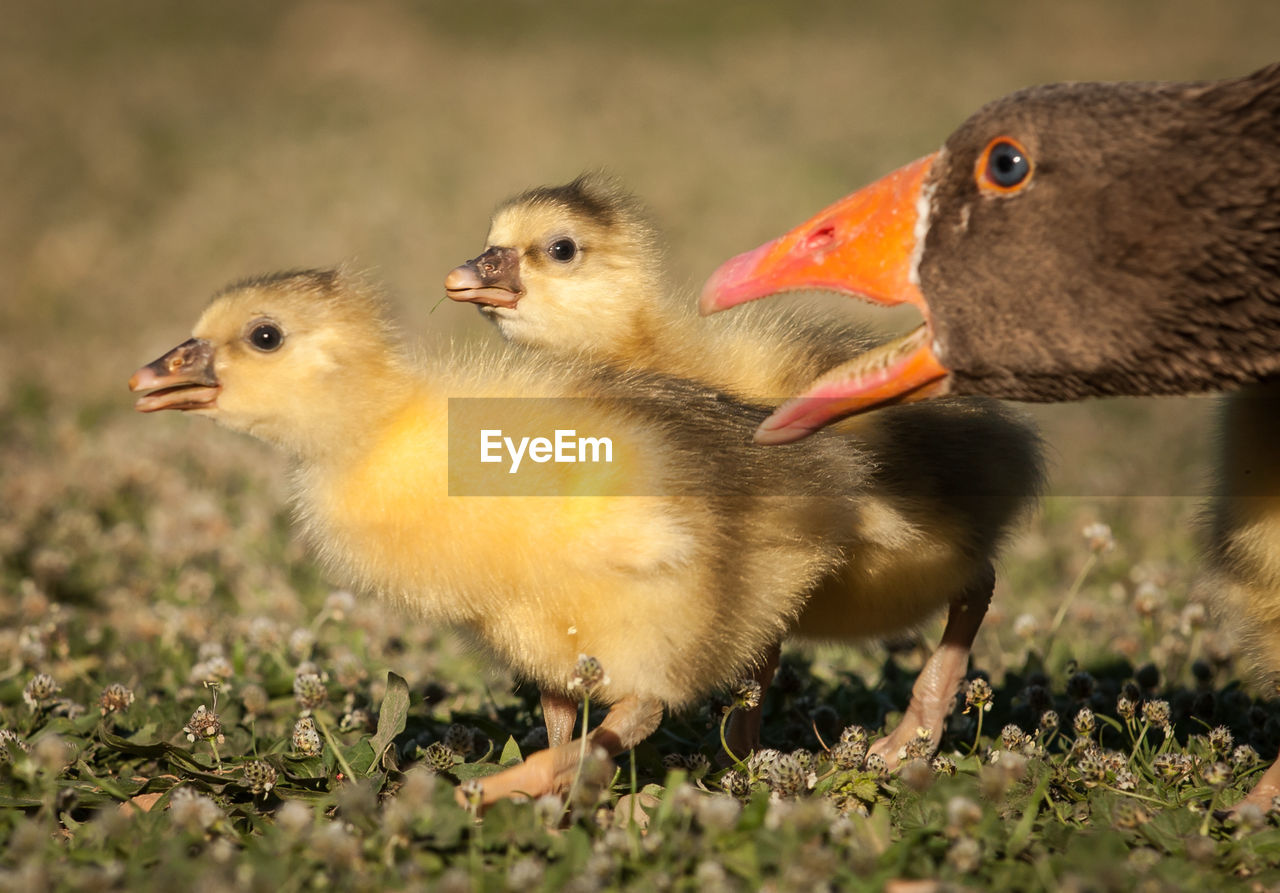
column 1156, row 713
column 943, row 765
column 254, row 699
column 40, row 691
column 1126, row 708
column 260, row 776
column 920, row 746
column 309, row 691
column 204, row 725
column 978, row 695
column 6, row 736
column 849, row 754
column 746, row 694
column 192, row 810
column 439, row 757
column 1221, row 739
column 1099, row 538
column 854, row 733
column 460, row 739
column 306, row 737
column 587, row 674
column 735, row 784
column 114, row 698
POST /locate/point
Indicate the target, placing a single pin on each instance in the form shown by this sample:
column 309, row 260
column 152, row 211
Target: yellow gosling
column 677, row 589
column 577, row 270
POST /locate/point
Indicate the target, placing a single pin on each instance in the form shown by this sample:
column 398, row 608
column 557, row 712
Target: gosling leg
column 550, row 771
column 743, row 734
column 934, row 693
column 559, row 712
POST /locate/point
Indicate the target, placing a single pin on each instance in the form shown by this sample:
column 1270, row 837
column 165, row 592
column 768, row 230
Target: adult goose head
column 1067, row 241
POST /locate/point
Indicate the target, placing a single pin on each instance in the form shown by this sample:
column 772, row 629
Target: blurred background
column 154, row 152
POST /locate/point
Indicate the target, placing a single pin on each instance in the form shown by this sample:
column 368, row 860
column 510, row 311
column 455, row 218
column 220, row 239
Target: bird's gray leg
column 934, row 694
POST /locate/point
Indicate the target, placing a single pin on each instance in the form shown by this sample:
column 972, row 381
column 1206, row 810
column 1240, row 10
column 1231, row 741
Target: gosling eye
column 266, row 337
column 563, row 250
column 1004, row 166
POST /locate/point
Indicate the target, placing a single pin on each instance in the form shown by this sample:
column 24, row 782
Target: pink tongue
column 894, row 372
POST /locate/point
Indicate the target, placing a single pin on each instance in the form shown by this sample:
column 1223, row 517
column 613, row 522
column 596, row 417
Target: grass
column 160, row 155
column 187, row 702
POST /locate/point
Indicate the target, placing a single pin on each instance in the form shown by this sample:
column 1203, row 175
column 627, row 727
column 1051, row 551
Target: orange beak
column 864, row 245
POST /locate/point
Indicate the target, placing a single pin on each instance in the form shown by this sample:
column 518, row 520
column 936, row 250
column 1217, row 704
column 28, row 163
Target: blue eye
column 1004, row 166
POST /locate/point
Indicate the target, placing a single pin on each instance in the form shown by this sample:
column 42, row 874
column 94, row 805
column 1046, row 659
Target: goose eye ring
column 562, row 250
column 1004, row 166
column 266, row 337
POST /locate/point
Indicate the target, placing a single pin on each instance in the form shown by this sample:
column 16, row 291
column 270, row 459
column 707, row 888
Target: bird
column 1067, row 241
column 1241, row 578
column 1071, row 241
column 577, row 269
column 674, row 565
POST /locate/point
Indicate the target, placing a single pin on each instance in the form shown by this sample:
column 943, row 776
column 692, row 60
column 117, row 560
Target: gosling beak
column 866, row 246
column 490, row 280
column 181, row 379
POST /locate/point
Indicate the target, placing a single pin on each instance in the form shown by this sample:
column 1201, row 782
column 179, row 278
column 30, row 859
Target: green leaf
column 391, row 716
column 754, row 812
column 304, row 767
column 156, row 785
column 361, row 757
column 151, row 750
column 743, row 860
column 468, row 771
column 176, row 756
column 1021, row 834
column 674, row 779
column 117, row 789
column 17, row 802
column 72, row 728
column 510, row 753
column 146, row 734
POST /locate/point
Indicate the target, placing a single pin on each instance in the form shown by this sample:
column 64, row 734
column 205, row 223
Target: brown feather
column 1166, row 196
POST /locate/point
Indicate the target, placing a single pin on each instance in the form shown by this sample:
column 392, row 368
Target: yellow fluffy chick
column 1242, row 582
column 680, row 571
column 577, row 270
